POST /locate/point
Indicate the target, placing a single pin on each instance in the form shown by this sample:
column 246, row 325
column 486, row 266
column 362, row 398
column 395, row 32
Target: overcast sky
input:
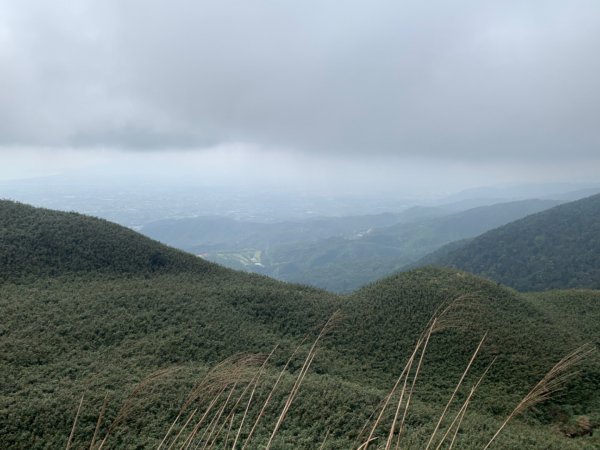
column 460, row 92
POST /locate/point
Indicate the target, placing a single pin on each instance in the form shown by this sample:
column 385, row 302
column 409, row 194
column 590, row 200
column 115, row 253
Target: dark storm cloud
column 464, row 79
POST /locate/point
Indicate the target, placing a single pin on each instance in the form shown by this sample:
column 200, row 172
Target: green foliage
column 553, row 249
column 77, row 324
column 36, row 242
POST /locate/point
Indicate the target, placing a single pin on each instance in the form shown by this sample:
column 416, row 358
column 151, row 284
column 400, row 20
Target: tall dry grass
column 225, row 407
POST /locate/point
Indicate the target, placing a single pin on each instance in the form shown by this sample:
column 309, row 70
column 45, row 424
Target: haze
column 410, row 98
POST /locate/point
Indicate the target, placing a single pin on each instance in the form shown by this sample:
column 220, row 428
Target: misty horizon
column 370, row 98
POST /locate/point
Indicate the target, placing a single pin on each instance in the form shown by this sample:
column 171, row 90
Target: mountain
column 78, row 325
column 553, row 249
column 555, row 191
column 201, row 234
column 342, row 264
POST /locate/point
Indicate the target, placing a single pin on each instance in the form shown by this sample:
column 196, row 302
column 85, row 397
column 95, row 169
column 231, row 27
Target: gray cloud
column 494, row 80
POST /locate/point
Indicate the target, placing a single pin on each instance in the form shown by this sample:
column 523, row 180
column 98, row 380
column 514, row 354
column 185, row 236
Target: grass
column 226, row 406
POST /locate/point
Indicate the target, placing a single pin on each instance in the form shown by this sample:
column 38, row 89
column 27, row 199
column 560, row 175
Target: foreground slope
column 67, row 332
column 553, row 249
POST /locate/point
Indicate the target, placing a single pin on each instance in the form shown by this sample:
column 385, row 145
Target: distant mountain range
column 339, row 254
column 557, row 248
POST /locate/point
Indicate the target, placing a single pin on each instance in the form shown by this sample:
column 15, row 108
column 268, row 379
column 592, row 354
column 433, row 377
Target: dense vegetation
column 36, row 242
column 67, row 332
column 553, row 249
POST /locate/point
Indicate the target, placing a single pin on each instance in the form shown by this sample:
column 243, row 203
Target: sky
column 384, row 94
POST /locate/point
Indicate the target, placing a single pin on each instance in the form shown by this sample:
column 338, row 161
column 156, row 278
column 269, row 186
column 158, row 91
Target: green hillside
column 68, row 331
column 37, row 241
column 553, row 249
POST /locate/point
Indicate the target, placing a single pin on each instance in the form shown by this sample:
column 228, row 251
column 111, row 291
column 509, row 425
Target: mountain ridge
column 553, row 249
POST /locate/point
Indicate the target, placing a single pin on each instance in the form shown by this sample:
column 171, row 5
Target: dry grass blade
column 365, row 444
column 273, row 389
column 451, row 399
column 233, row 409
column 404, row 374
column 230, row 371
column 451, row 313
column 229, row 431
column 128, row 403
column 70, row 440
column 254, row 382
column 194, row 431
column 204, row 433
column 438, row 321
column 216, row 421
column 99, row 421
column 414, row 381
column 183, row 427
column 358, row 437
column 461, row 412
column 231, row 414
column 303, row 371
column 292, row 395
column 322, row 446
column 388, row 443
column 553, row 381
column 460, row 416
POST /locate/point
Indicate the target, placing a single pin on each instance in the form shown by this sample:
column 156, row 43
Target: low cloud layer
column 464, row 80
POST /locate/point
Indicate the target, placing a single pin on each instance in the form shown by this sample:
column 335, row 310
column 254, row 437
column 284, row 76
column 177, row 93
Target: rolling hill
column 76, row 324
column 37, row 242
column 553, row 249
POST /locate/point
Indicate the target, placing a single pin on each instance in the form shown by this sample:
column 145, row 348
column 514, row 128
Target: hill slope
column 37, row 241
column 553, row 249
column 69, row 331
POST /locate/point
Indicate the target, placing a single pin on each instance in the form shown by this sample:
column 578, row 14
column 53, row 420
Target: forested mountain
column 553, row 249
column 99, row 330
column 342, row 264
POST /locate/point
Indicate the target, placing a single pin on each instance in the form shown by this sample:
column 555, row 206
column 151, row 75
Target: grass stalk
column 451, row 399
column 461, row 412
column 99, row 421
column 74, row 427
column 553, row 381
column 414, row 381
column 200, row 422
column 300, row 378
column 269, row 397
column 253, row 382
column 322, row 446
